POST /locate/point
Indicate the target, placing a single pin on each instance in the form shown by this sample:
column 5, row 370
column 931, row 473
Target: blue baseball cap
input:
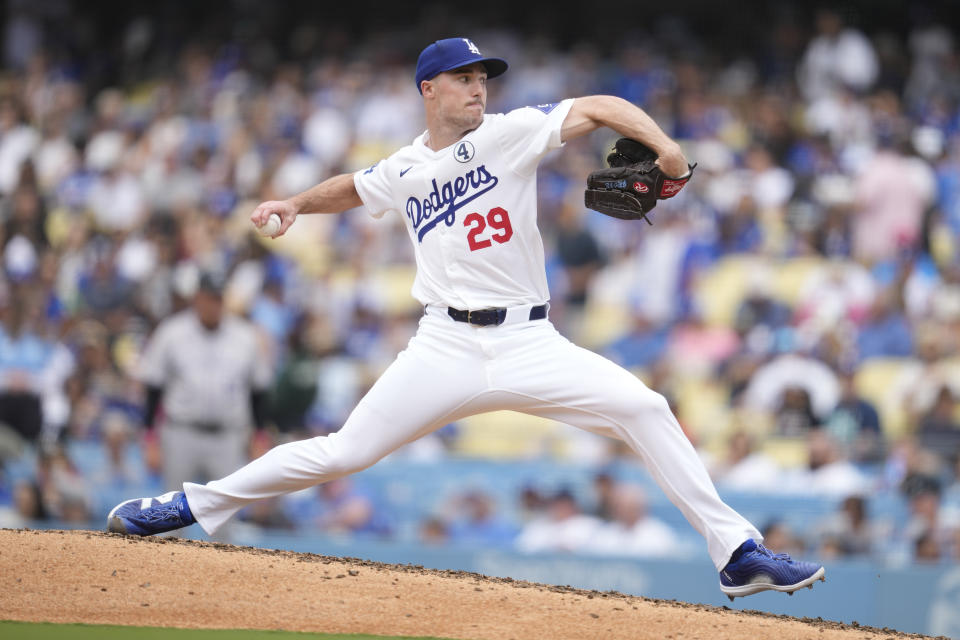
column 453, row 53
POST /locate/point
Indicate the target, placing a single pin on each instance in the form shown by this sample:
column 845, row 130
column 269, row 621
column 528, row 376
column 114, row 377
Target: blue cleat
column 752, row 569
column 147, row 516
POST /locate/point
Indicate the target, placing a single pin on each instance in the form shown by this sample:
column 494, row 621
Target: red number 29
column 498, row 218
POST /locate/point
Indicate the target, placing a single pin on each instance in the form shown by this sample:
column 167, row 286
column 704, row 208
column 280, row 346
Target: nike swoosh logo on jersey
column 404, row 171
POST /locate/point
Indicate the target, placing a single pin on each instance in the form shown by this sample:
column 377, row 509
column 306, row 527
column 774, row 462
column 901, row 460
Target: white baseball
column 271, row 226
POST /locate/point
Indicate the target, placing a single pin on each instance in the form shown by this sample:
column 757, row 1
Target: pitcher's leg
column 578, row 387
column 225, row 453
column 419, row 393
column 297, row 465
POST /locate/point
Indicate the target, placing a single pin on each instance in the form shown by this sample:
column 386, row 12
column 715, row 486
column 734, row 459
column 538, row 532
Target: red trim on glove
column 672, row 186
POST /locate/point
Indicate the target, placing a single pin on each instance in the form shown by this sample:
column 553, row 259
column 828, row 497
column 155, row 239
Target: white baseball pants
column 451, row 370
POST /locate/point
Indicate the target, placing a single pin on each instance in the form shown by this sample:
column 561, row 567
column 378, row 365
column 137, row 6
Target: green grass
column 49, row 631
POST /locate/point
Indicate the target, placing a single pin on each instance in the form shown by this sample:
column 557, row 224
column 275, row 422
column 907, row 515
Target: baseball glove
column 630, row 188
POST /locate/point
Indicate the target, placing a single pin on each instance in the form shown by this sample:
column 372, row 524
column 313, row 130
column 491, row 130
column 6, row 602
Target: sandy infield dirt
column 100, row 578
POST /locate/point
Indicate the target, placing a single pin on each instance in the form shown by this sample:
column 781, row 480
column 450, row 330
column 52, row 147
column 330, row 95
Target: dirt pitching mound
column 100, row 578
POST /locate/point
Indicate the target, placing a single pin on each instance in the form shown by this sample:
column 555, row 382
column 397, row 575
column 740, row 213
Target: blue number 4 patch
column 464, row 151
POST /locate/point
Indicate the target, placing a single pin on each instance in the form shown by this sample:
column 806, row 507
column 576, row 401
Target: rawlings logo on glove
column 631, row 163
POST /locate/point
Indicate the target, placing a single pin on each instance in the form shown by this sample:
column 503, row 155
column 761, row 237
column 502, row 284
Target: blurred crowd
column 825, row 145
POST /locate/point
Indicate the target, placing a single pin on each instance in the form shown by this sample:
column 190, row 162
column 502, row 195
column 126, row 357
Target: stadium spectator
column 740, row 230
column 117, row 433
column 581, row 257
column 64, row 493
column 97, row 387
column 28, row 504
column 931, row 530
column 433, row 532
column 33, row 368
column 951, row 495
column 268, row 514
column 777, row 532
column 27, row 215
column 794, row 416
column 797, row 373
column 893, row 192
column 939, row 428
column 885, row 331
column 855, row 423
column 270, row 311
column 21, row 365
column 642, row 345
column 603, row 488
column 562, row 528
column 337, row 507
column 924, row 375
column 17, row 143
column 475, row 521
column 694, row 347
column 838, row 57
column 839, row 293
column 294, row 389
column 744, row 468
column 532, row 503
column 828, row 472
column 850, row 532
column 631, row 531
column 927, row 549
column 759, row 315
column 339, row 377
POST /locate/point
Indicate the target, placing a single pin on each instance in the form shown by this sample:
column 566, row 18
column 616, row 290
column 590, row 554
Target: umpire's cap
column 453, row 53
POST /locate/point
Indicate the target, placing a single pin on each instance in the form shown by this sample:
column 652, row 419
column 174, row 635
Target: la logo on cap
column 450, row 54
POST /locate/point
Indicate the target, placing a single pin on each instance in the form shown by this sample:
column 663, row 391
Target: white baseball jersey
column 206, row 375
column 471, row 209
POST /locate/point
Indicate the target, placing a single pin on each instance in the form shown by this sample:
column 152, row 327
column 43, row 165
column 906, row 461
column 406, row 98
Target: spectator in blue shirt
column 886, row 331
column 24, row 356
column 642, row 346
column 338, row 507
column 479, row 523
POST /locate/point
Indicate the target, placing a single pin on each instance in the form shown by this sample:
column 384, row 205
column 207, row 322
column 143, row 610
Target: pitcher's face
column 460, row 95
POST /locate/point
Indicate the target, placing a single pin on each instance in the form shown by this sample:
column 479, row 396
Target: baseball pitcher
column 466, row 189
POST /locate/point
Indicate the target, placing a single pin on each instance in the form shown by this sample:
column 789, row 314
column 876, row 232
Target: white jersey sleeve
column 525, row 135
column 374, row 189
